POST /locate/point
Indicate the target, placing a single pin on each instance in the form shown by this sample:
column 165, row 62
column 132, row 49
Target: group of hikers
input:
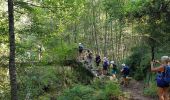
column 162, row 77
column 106, row 64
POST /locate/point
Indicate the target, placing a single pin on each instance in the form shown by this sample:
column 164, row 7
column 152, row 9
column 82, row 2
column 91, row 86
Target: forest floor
column 135, row 90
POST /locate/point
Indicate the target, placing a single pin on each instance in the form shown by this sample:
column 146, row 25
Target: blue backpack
column 160, row 79
column 106, row 64
column 126, row 70
column 80, row 47
column 167, row 74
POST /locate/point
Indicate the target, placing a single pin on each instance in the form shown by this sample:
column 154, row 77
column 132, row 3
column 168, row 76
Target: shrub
column 151, row 90
column 78, row 92
column 36, row 80
column 98, row 90
column 139, row 62
column 112, row 90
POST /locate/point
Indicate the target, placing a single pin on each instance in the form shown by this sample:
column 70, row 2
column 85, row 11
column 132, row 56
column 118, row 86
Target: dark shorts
column 80, row 51
column 125, row 76
column 161, row 83
column 104, row 68
column 113, row 72
column 97, row 63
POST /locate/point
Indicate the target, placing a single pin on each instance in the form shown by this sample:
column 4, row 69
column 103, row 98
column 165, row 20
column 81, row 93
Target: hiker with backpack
column 98, row 60
column 105, row 65
column 163, row 76
column 114, row 69
column 125, row 71
column 81, row 48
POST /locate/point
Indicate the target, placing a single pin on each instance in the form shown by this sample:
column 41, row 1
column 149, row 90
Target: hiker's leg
column 166, row 94
column 97, row 64
column 161, row 93
column 103, row 72
column 126, row 81
column 107, row 72
column 121, row 81
column 79, row 55
column 114, row 76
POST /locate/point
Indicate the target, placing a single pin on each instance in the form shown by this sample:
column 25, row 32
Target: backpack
column 106, row 64
column 160, row 80
column 98, row 60
column 126, row 70
column 167, row 73
column 80, row 47
column 114, row 65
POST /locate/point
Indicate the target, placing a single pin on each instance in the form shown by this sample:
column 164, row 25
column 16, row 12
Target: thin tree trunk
column 12, row 67
column 111, row 32
column 105, row 38
column 92, row 29
column 117, row 49
column 152, row 58
column 75, row 32
column 119, row 39
column 95, row 29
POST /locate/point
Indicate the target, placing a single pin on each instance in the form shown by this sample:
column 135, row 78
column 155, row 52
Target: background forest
column 47, row 35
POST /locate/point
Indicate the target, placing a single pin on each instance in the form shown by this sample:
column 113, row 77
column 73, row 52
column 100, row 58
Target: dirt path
column 135, row 90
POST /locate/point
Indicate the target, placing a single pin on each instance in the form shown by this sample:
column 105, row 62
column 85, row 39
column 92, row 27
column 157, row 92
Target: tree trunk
column 75, row 32
column 105, row 38
column 152, row 58
column 95, row 29
column 12, row 68
column 153, row 52
column 112, row 42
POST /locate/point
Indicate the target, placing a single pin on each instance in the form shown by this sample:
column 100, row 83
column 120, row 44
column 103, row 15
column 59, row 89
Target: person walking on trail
column 114, row 69
column 125, row 71
column 163, row 76
column 105, row 65
column 98, row 60
column 81, row 48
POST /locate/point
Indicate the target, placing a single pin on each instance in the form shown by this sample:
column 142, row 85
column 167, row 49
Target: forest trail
column 135, row 90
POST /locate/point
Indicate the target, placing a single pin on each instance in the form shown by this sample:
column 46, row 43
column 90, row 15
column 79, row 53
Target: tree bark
column 12, row 67
column 112, row 42
column 105, row 38
column 95, row 29
column 153, row 52
column 75, row 32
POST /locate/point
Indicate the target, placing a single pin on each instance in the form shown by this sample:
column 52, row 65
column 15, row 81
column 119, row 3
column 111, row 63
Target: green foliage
column 151, row 90
column 103, row 90
column 4, row 84
column 78, row 93
column 58, row 25
column 58, row 51
column 34, row 80
column 110, row 89
column 118, row 7
column 139, row 62
column 49, row 81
